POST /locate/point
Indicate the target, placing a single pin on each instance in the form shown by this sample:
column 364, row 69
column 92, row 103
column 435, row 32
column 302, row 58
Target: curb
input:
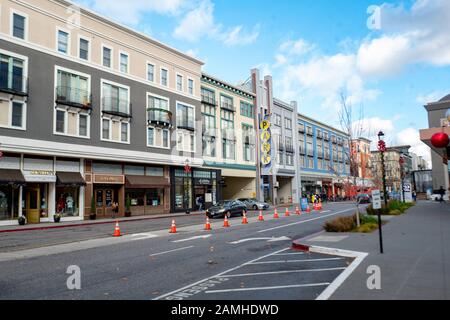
column 92, row 223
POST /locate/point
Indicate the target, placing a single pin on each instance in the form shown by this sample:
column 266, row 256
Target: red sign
column 187, row 168
column 1, row 155
column 381, row 146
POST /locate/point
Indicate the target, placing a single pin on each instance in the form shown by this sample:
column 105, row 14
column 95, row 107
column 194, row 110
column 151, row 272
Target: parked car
column 435, row 196
column 253, row 204
column 227, row 207
column 363, row 198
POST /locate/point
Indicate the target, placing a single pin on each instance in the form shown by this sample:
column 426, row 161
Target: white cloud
column 200, row 22
column 430, row 97
column 296, row 47
column 411, row 137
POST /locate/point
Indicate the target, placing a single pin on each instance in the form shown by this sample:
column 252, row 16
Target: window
column 277, row 120
column 247, row 110
column 124, row 132
column 164, row 77
column 84, row 49
column 179, row 82
column 288, row 123
column 191, row 86
column 280, row 159
column 17, row 115
column 72, row 88
column 158, row 137
column 150, row 72
column 115, row 99
column 150, row 136
column 185, row 116
column 106, row 123
column 289, row 159
column 208, row 96
column 185, row 141
column 12, row 73
column 226, row 103
column 301, row 128
column 302, row 161
column 60, row 121
column 228, row 149
column 248, row 143
column 310, row 162
column 209, row 146
column 83, row 125
column 107, row 54
column 124, row 63
column 63, row 42
column 19, row 25
column 165, row 138
column 158, row 103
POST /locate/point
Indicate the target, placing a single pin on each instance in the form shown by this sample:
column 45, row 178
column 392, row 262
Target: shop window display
column 9, row 203
column 67, row 201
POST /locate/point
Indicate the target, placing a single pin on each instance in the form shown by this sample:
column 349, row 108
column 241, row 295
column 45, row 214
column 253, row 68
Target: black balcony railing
column 12, row 83
column 186, row 124
column 301, row 129
column 309, row 132
column 227, row 106
column 289, row 148
column 310, row 152
column 73, row 97
column 302, row 151
column 326, row 137
column 209, row 100
column 320, row 154
column 117, row 107
column 281, row 147
column 159, row 117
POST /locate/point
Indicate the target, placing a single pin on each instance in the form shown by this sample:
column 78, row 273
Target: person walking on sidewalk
column 442, row 193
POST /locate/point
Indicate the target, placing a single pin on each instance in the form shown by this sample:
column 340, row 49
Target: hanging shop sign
column 109, row 179
column 266, row 146
column 39, row 176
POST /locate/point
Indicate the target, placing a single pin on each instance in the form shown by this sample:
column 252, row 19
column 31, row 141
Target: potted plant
column 22, row 220
column 93, row 214
column 128, row 207
column 57, row 217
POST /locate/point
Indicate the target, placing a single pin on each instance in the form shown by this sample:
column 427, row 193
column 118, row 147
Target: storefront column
column 51, row 200
column 19, row 209
column 81, row 204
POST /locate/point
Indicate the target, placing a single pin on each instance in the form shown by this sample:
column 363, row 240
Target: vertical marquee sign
column 266, row 146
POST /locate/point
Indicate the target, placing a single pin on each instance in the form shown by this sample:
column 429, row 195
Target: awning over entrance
column 142, row 182
column 8, row 176
column 70, row 179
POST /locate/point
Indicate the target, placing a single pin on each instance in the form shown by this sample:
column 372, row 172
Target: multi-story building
column 228, row 122
column 418, row 162
column 360, row 163
column 90, row 109
column 324, row 158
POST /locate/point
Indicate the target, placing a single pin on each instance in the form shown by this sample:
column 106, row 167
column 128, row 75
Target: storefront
column 187, row 188
column 108, row 193
column 69, row 194
column 11, row 183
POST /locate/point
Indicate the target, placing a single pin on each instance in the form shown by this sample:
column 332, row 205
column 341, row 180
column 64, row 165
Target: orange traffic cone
column 275, row 215
column 319, row 206
column 207, row 225
column 173, row 228
column 287, row 214
column 308, row 209
column 226, row 224
column 244, row 219
column 260, row 217
column 117, row 230
column 297, row 211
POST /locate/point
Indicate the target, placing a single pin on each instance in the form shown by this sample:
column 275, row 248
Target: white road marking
column 168, row 295
column 141, row 236
column 290, row 254
column 305, row 221
column 325, row 211
column 169, row 251
column 271, row 288
column 281, row 272
column 193, row 238
column 273, row 239
column 295, row 261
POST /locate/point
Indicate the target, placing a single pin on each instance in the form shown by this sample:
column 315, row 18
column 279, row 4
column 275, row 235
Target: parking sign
column 376, row 199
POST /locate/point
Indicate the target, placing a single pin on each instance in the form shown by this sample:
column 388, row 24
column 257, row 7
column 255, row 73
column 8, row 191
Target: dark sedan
column 228, row 207
column 363, row 198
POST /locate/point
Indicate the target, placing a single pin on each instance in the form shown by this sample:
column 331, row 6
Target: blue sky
column 315, row 50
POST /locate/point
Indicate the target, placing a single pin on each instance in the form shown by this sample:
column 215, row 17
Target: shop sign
column 266, row 146
column 109, row 179
column 39, row 176
column 203, row 181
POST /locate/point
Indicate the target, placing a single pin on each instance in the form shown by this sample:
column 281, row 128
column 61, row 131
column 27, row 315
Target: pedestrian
column 313, row 200
column 198, row 202
column 442, row 193
column 414, row 195
column 115, row 209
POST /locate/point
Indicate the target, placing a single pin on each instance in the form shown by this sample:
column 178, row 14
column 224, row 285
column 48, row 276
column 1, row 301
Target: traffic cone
column 297, row 211
column 117, row 230
column 207, row 225
column 173, row 228
column 226, row 224
column 275, row 215
column 260, row 217
column 244, row 219
column 308, row 209
column 320, row 205
column 287, row 214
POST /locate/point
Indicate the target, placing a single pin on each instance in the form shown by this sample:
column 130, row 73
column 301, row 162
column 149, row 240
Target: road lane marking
column 272, row 239
column 305, row 221
column 290, row 254
column 193, row 238
column 325, row 211
column 281, row 272
column 142, row 236
column 295, row 261
column 271, row 288
column 171, row 295
column 169, row 251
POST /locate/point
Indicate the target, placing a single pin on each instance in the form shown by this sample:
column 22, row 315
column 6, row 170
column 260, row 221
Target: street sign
column 265, row 125
column 376, row 199
column 407, row 192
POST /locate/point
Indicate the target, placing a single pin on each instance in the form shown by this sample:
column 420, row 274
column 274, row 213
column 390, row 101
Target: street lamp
column 382, row 149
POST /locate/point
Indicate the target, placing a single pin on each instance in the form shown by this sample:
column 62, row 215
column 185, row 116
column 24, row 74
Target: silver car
column 254, row 204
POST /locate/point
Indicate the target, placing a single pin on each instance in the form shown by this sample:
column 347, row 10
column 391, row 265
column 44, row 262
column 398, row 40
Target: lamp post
column 402, row 175
column 382, row 149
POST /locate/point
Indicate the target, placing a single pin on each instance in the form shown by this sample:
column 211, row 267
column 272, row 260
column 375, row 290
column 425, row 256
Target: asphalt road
column 251, row 261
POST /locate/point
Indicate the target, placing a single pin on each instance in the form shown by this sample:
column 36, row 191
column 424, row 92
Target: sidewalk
column 416, row 260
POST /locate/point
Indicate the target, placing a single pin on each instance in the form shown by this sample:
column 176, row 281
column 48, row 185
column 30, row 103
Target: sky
column 385, row 59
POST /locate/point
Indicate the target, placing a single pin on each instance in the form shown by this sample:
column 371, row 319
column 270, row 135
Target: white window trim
column 111, row 57
column 88, row 127
column 121, row 52
column 104, row 81
column 18, row 56
column 66, row 119
column 69, row 40
column 160, row 77
column 11, row 23
column 148, row 62
column 24, row 116
column 154, row 140
column 193, row 86
column 184, row 131
column 89, row 40
column 176, row 82
column 128, row 132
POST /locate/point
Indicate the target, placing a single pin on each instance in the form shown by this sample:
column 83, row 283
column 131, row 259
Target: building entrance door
column 33, row 204
column 104, row 199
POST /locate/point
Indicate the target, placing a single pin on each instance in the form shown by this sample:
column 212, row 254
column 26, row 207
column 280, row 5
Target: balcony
column 326, row 137
column 301, row 129
column 320, row 154
column 14, row 84
column 327, row 156
column 209, row 100
column 309, row 132
column 289, row 148
column 159, row 117
column 116, row 107
column 73, row 97
column 227, row 106
column 185, row 124
column 302, row 151
column 319, row 135
column 310, row 152
column 281, row 147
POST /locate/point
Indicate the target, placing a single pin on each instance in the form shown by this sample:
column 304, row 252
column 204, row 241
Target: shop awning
column 70, row 179
column 145, row 182
column 8, row 176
